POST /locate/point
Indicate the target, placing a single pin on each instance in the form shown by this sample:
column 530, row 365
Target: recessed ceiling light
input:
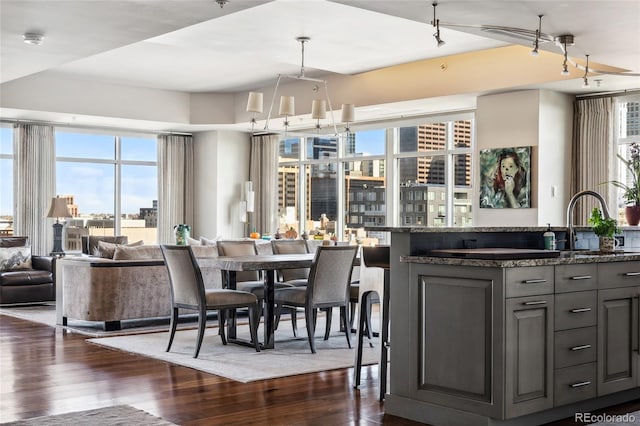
column 33, row 38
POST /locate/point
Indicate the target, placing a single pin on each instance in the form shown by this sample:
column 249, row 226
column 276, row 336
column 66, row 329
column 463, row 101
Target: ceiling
column 195, row 46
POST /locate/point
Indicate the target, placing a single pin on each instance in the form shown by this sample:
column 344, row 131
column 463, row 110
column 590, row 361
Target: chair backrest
column 291, row 247
column 330, row 275
column 185, row 277
column 376, row 256
column 240, row 248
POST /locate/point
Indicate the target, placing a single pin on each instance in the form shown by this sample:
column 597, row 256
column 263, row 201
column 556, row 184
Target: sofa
column 134, row 284
column 25, row 278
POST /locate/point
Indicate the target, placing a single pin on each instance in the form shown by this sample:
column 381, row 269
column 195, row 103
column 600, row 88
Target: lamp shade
column 348, row 113
column 254, row 103
column 287, row 105
column 58, row 208
column 318, row 109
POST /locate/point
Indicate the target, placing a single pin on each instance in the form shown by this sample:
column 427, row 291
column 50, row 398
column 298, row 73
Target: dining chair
column 294, row 277
column 251, row 281
column 188, row 292
column 328, row 287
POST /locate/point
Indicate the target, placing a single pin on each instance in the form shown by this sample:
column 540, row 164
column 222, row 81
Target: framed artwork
column 505, row 178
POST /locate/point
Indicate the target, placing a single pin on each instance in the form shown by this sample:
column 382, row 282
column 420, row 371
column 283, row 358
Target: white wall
column 554, row 156
column 221, row 167
column 543, row 121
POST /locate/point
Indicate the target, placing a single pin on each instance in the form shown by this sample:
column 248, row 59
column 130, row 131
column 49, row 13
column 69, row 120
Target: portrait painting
column 505, row 178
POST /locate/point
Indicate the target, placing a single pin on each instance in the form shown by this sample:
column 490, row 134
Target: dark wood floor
column 46, row 371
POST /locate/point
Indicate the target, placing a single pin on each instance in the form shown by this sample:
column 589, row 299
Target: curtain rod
column 88, row 127
column 613, row 94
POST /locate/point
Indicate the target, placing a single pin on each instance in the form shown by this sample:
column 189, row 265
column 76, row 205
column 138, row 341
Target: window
column 440, row 162
column 628, row 140
column 346, row 178
column 6, row 177
column 111, row 185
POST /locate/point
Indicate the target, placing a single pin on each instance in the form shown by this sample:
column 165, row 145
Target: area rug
column 119, row 415
column 291, row 356
column 46, row 314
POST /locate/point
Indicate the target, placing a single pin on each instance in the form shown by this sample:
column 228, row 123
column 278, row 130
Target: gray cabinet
column 529, row 354
column 617, row 339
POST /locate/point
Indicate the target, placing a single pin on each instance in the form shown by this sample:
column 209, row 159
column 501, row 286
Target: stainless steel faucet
column 571, row 238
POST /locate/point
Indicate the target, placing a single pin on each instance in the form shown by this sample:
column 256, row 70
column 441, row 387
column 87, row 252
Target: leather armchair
column 27, row 285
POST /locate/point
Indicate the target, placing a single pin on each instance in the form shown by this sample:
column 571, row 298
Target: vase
column 632, row 214
column 607, row 244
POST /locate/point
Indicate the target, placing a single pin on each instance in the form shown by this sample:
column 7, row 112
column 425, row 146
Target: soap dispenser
column 549, row 238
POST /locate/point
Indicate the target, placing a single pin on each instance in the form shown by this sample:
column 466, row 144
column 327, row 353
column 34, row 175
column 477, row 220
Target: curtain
column 591, row 149
column 34, row 180
column 175, row 184
column 263, row 172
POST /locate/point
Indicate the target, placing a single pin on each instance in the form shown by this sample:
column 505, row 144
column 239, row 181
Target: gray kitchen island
column 522, row 339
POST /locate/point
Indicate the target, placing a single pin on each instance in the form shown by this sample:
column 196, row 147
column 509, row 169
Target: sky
column 92, row 184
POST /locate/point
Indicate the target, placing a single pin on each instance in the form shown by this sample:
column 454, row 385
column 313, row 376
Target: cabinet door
column 529, row 354
column 617, row 339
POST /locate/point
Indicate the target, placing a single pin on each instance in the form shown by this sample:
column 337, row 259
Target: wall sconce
column 57, row 210
column 247, row 202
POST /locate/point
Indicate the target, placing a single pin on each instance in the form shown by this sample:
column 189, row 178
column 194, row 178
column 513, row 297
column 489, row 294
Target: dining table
column 268, row 264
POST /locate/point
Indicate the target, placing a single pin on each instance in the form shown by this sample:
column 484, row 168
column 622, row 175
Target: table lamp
column 58, row 209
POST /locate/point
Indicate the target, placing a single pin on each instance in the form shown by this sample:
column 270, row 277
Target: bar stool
column 374, row 257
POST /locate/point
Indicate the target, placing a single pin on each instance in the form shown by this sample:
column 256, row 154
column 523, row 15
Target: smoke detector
column 33, row 38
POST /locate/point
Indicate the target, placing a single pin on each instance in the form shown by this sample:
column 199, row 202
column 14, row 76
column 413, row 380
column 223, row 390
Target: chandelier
column 286, row 106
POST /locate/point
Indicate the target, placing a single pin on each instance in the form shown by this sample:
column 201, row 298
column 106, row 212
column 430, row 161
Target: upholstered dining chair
column 188, row 292
column 251, row 281
column 328, row 287
column 293, row 277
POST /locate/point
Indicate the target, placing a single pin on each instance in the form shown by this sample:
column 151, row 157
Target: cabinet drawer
column 573, row 310
column 573, row 347
column 529, row 281
column 618, row 274
column 573, row 384
column 576, row 277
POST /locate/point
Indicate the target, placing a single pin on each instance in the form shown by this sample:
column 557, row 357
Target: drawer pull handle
column 578, row 385
column 579, row 310
column 579, row 348
column 632, row 274
column 535, row 281
column 582, row 277
column 537, row 302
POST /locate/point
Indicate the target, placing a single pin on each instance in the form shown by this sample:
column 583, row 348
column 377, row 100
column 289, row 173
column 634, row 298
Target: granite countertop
column 566, row 258
column 424, row 229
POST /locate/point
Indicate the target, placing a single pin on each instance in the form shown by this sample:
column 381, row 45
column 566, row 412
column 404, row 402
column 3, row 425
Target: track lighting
column 564, row 40
column 436, row 23
column 534, row 52
column 222, row 3
column 585, row 79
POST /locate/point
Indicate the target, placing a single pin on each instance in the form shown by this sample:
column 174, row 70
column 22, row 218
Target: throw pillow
column 15, row 258
column 209, row 242
column 140, row 252
column 107, row 250
column 193, row 242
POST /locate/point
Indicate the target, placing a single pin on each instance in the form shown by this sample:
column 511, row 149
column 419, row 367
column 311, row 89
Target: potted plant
column 631, row 190
column 605, row 229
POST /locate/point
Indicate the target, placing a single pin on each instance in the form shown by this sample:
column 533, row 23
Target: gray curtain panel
column 34, row 183
column 175, row 184
column 591, row 152
column 263, row 172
